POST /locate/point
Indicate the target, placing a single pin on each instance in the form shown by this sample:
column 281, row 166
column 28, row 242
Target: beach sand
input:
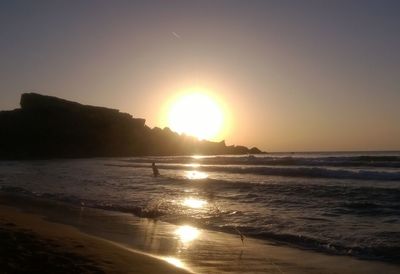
column 44, row 236
column 29, row 244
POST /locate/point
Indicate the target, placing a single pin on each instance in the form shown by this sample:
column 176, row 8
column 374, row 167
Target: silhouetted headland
column 50, row 127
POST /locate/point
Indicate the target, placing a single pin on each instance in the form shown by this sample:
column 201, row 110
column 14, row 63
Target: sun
column 196, row 114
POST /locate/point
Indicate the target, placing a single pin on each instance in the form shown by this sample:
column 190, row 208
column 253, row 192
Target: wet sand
column 29, row 244
column 99, row 241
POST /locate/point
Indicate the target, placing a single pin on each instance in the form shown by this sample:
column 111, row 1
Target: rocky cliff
column 50, row 127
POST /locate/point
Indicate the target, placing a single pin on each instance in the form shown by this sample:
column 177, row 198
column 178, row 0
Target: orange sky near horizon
column 289, row 77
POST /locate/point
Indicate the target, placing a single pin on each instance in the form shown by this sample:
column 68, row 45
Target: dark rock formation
column 49, row 127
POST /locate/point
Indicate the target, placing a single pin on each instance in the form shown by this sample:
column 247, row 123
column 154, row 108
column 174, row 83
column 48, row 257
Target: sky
column 292, row 75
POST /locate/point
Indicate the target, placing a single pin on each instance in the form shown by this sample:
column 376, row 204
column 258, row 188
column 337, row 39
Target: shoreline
column 155, row 242
column 65, row 249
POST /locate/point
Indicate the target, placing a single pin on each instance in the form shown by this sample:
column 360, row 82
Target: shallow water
column 197, row 250
column 337, row 203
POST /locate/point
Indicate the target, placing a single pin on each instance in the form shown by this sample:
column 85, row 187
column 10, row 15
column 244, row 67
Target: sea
column 344, row 203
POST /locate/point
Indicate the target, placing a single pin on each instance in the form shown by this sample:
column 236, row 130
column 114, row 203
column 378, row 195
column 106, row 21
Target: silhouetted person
column 155, row 170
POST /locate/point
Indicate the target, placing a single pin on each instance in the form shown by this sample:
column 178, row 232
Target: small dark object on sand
column 240, row 234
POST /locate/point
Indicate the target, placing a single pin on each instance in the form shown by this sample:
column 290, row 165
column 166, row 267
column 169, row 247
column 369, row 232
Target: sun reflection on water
column 187, row 233
column 194, row 203
column 195, row 175
column 193, row 165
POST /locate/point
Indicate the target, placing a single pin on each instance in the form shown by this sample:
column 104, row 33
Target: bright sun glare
column 187, row 233
column 194, row 203
column 196, row 114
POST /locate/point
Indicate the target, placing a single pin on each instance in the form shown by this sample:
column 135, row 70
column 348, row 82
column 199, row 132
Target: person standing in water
column 155, row 170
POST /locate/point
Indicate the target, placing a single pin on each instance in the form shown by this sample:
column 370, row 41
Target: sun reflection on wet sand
column 187, row 233
column 174, row 261
column 195, row 175
column 194, row 203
